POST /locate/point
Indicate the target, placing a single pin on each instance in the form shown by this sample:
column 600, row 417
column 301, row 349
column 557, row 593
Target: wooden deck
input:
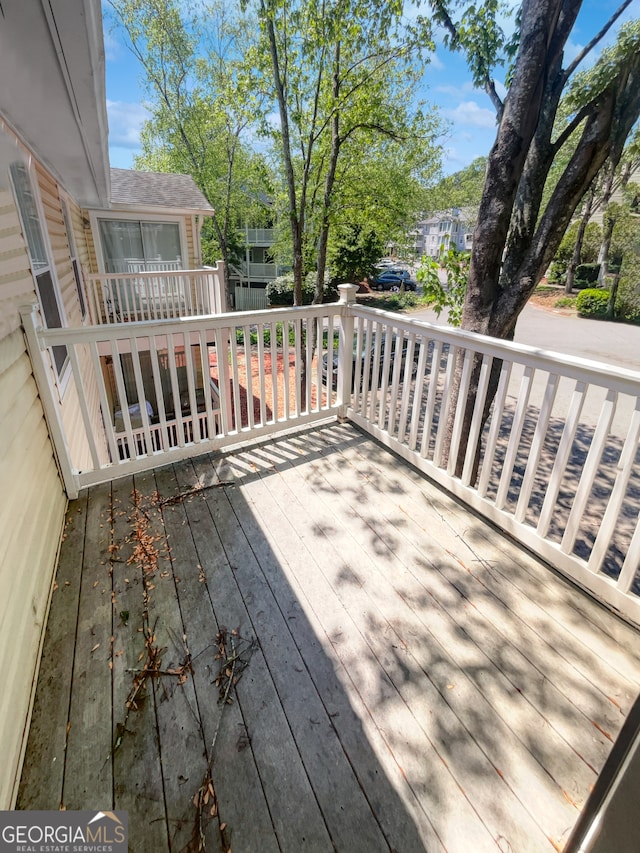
column 407, row 678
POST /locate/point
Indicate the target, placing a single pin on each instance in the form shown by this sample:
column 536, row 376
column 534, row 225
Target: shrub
column 628, row 299
column 565, row 302
column 592, row 302
column 587, row 272
column 280, row 290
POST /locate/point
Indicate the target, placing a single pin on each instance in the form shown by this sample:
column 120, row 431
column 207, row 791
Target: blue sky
column 447, row 81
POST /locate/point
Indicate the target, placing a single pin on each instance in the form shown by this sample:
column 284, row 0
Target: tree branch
column 594, row 41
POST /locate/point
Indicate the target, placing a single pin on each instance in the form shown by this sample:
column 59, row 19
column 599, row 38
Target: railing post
column 48, row 397
column 345, row 347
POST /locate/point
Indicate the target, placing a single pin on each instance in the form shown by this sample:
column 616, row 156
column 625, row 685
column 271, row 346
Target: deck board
column 418, row 682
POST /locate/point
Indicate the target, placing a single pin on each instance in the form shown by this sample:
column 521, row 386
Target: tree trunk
column 513, row 246
column 611, row 304
column 295, row 223
column 329, row 180
column 577, row 251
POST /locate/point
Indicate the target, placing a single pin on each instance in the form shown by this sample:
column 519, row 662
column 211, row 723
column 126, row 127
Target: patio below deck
column 306, row 645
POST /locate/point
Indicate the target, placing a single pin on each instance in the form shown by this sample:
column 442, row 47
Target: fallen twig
column 174, row 499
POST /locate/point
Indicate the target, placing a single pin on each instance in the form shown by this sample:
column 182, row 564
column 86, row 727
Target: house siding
column 71, row 414
column 31, row 521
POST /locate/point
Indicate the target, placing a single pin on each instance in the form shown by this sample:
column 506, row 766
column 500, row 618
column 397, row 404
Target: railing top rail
column 99, row 276
column 182, row 325
column 594, row 372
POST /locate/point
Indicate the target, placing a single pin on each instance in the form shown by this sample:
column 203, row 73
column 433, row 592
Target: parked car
column 393, row 279
column 372, row 353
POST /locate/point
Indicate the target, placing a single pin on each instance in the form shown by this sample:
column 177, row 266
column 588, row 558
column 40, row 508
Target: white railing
column 137, row 265
column 260, row 236
column 264, row 272
column 170, row 389
column 116, row 298
column 251, row 299
column 554, row 460
column 556, row 463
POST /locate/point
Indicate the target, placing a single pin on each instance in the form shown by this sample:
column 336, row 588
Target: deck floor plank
column 419, row 682
column 240, row 799
column 137, row 773
column 90, row 706
column 297, row 819
column 180, row 735
column 48, row 729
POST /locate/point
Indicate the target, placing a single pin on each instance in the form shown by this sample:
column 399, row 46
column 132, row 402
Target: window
column 74, row 259
column 41, row 266
column 134, row 246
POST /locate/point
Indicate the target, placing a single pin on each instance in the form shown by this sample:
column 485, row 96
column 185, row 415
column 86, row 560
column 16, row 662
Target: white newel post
column 48, row 396
column 218, row 295
column 345, row 347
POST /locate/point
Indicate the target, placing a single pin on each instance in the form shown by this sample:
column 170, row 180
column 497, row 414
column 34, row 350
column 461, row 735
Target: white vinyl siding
column 32, row 513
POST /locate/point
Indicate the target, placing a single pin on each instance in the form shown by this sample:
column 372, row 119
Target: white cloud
column 455, row 91
column 125, row 122
column 469, row 113
column 111, row 46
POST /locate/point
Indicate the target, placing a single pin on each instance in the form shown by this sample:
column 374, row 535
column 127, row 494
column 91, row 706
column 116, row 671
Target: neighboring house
column 153, row 222
column 65, row 218
column 256, row 270
column 445, row 229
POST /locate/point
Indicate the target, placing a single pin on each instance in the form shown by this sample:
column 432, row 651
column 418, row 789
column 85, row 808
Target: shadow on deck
column 397, row 675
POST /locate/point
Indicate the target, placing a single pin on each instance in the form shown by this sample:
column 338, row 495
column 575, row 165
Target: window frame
column 73, row 255
column 137, row 216
column 62, row 374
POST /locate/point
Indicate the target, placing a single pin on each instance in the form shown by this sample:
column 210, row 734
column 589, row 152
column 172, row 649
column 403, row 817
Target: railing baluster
column 191, row 389
column 285, row 370
column 261, row 375
column 458, row 422
column 408, row 377
column 383, row 382
column 107, row 414
column 161, row 405
column 631, row 565
column 309, row 327
column 142, row 399
column 433, row 379
column 536, row 446
column 398, row 368
column 589, row 471
column 374, row 379
column 175, row 389
column 444, row 406
column 235, row 380
column 246, row 334
column 562, row 457
column 82, row 400
column 612, row 512
column 297, row 365
column 229, row 424
column 128, row 446
column 477, row 420
column 494, row 429
column 275, row 373
column 515, row 433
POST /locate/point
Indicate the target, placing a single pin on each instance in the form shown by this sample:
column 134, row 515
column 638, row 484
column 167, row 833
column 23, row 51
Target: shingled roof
column 156, row 189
